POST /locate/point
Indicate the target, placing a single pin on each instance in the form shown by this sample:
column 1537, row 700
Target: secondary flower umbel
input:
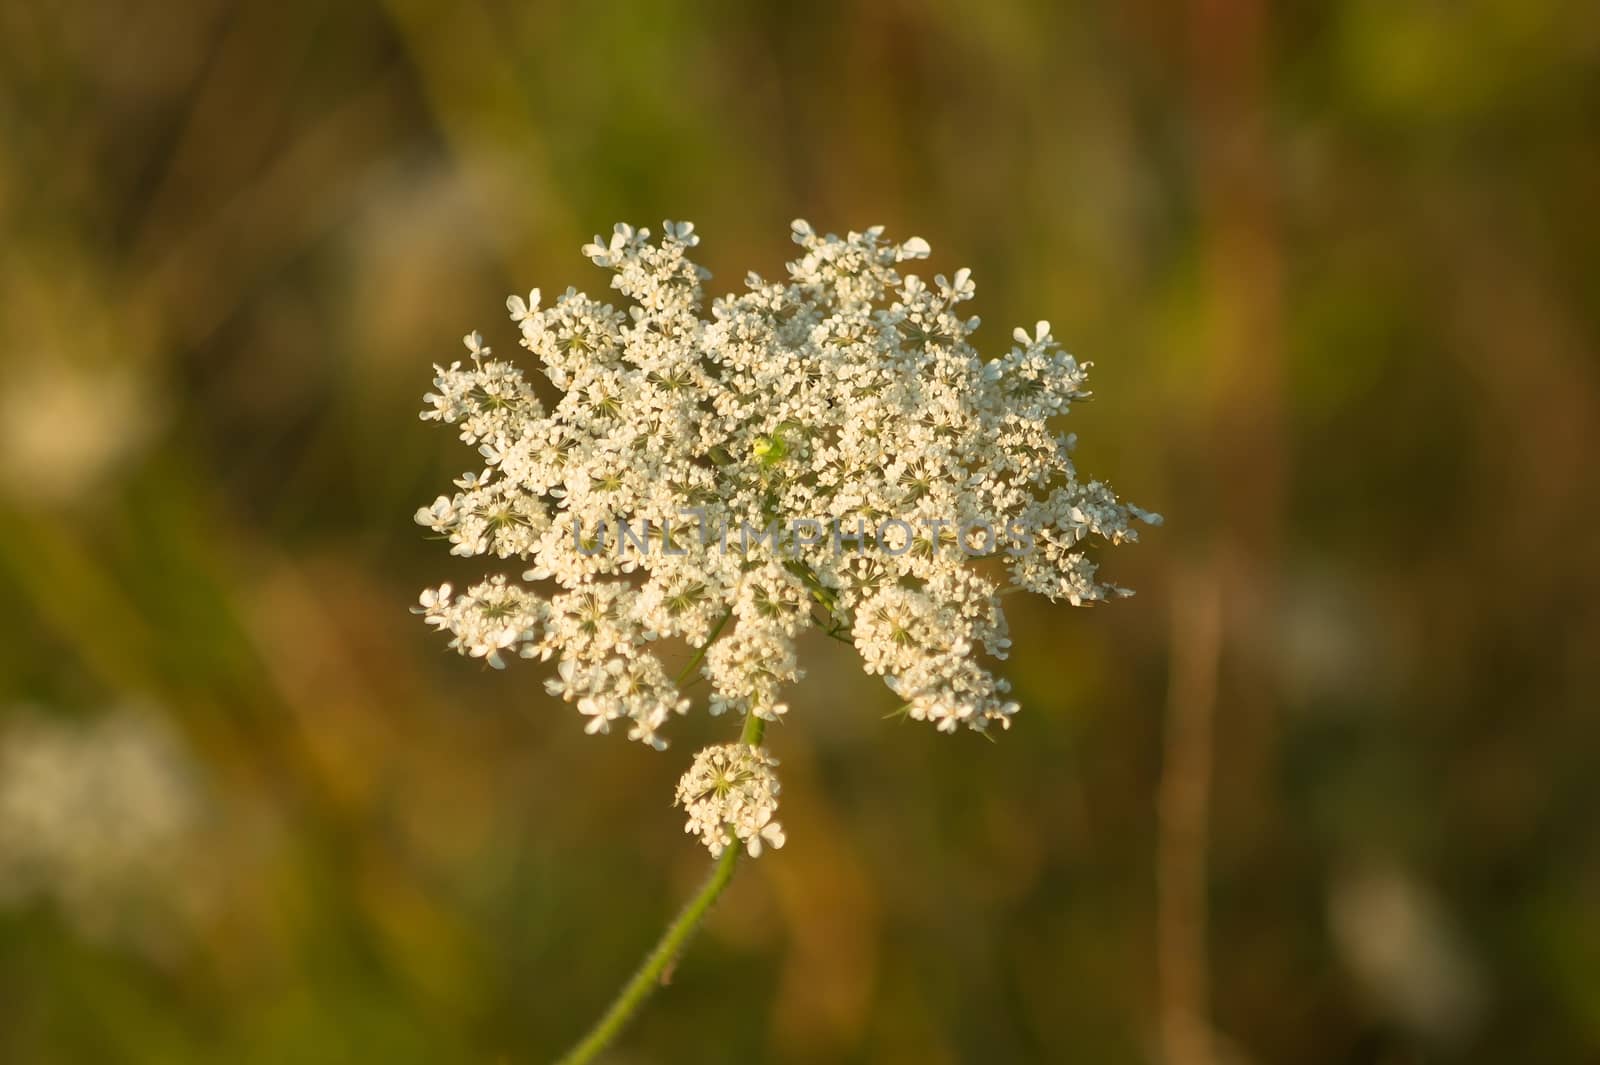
column 731, row 794
column 847, row 394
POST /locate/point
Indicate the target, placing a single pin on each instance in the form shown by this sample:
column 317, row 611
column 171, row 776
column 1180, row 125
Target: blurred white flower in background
column 1394, row 935
column 100, row 818
column 1329, row 645
column 65, row 428
column 414, row 252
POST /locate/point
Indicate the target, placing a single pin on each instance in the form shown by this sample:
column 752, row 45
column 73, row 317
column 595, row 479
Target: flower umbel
column 731, row 794
column 828, row 451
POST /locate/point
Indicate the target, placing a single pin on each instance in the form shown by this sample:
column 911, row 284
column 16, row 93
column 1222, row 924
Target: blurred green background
column 1324, row 792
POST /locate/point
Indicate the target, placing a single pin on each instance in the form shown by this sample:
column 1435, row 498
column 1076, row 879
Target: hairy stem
column 649, row 975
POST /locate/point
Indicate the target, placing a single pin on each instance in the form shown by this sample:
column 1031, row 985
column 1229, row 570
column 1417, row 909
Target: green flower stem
column 700, row 652
column 677, row 936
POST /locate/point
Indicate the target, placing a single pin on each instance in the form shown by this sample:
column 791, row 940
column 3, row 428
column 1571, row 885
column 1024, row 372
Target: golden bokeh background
column 1324, row 792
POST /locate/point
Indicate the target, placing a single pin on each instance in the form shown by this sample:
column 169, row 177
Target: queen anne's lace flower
column 731, row 793
column 827, row 451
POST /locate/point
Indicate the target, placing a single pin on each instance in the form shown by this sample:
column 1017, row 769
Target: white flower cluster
column 731, row 793
column 847, row 393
